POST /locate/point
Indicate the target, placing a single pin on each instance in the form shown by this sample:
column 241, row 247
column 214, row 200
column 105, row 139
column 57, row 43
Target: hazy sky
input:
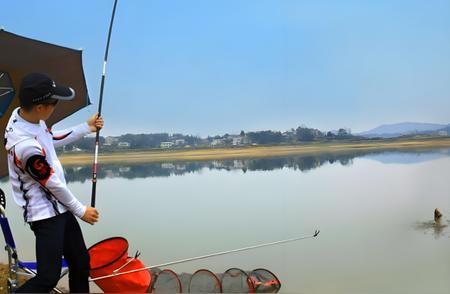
column 211, row 67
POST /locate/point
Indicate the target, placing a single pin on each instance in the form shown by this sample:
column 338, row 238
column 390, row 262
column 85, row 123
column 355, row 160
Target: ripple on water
column 438, row 229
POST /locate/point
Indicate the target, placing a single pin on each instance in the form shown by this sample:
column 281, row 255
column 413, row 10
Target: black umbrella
column 20, row 56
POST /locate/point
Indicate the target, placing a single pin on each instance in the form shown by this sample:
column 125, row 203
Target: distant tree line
column 301, row 134
column 267, row 137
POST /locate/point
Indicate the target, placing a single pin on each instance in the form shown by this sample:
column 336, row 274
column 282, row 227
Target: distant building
column 110, row 173
column 238, row 164
column 166, row 144
column 73, row 149
column 218, row 164
column 109, row 141
column 123, row 145
column 180, row 166
column 167, row 165
column 238, row 141
column 443, row 133
column 179, row 142
column 217, row 142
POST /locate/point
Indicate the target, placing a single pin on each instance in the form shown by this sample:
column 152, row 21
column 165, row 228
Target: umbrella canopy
column 20, row 56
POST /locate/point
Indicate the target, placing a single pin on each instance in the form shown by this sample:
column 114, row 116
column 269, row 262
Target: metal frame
column 16, row 267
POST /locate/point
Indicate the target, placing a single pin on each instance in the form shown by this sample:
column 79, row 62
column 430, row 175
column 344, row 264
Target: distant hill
column 446, row 129
column 402, row 129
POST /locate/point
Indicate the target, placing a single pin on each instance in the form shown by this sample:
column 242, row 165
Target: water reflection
column 438, row 229
column 301, row 163
column 409, row 157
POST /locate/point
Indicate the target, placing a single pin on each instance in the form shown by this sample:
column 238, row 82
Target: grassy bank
column 252, row 151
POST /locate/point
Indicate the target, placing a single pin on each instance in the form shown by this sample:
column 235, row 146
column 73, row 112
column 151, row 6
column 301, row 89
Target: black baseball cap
column 36, row 88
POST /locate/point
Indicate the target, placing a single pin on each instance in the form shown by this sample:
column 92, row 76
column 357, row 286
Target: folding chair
column 16, row 266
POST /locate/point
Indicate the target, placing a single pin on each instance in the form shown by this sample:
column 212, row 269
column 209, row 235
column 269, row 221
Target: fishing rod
column 115, row 273
column 97, row 135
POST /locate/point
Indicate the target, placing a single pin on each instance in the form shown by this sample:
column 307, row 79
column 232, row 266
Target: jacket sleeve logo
column 38, row 167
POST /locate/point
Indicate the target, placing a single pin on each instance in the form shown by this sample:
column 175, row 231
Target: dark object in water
column 437, row 215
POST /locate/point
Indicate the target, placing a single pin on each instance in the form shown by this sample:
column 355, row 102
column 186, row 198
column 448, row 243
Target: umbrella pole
column 97, row 135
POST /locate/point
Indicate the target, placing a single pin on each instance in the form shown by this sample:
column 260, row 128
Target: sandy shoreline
column 4, row 269
column 250, row 152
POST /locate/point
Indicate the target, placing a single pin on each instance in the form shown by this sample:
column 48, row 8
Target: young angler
column 39, row 186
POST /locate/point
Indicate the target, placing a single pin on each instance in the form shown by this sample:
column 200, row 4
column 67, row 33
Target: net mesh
column 204, row 281
column 166, row 281
column 234, row 280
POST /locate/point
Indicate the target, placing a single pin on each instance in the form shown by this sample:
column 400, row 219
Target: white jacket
column 36, row 175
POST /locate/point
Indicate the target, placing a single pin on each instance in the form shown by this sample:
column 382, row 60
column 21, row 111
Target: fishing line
column 316, row 233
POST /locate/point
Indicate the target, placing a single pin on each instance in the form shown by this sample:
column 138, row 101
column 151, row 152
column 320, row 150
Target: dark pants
column 55, row 237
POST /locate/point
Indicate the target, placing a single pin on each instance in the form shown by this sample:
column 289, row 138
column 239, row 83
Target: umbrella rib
column 6, row 93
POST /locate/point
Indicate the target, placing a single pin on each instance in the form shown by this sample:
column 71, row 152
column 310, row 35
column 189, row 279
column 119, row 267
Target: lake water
column 374, row 210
